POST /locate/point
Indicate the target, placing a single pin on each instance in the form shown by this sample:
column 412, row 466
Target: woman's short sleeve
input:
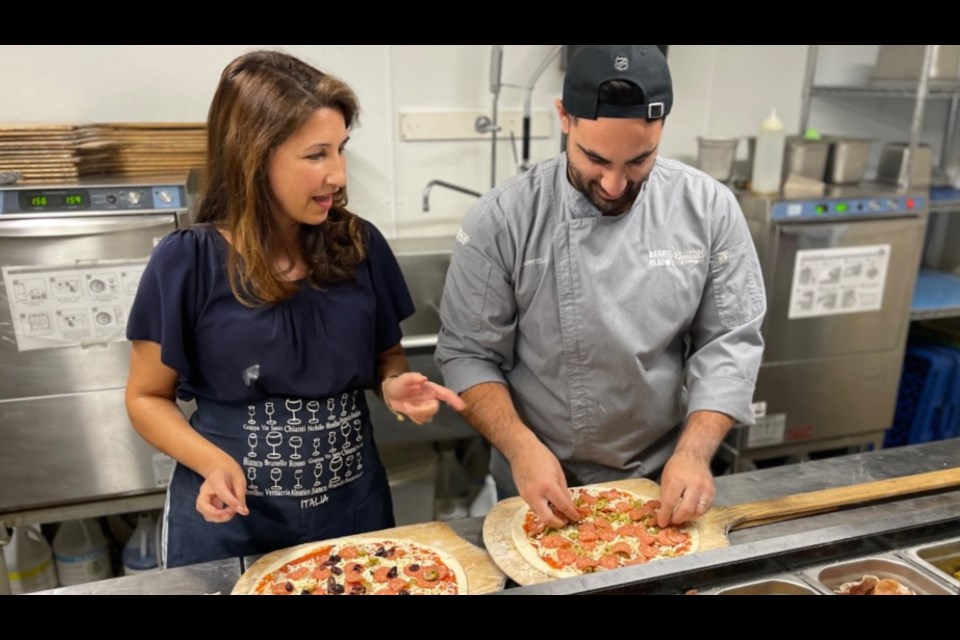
column 167, row 301
column 394, row 303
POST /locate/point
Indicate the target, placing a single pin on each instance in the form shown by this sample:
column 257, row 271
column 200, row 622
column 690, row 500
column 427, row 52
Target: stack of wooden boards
column 52, row 153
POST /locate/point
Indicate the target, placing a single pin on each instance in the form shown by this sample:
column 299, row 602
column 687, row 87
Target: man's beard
column 591, row 191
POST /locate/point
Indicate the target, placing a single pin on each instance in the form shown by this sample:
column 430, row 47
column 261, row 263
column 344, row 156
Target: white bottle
column 29, row 561
column 768, row 156
column 140, row 552
column 81, row 553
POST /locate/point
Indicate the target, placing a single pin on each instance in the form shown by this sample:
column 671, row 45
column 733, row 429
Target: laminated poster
column 829, row 282
column 58, row 306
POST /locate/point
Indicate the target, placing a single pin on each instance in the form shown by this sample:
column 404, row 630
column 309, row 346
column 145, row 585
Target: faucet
column 441, row 183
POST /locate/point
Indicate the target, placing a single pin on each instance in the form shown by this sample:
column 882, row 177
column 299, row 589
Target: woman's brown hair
column 263, row 98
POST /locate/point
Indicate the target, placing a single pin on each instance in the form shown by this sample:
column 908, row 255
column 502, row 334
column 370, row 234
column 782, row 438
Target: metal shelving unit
column 937, row 294
column 920, row 91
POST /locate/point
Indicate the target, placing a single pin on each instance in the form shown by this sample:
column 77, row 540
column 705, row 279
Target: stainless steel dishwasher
column 71, row 257
column 840, row 270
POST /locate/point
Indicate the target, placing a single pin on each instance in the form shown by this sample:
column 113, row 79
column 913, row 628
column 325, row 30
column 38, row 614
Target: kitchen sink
column 424, row 263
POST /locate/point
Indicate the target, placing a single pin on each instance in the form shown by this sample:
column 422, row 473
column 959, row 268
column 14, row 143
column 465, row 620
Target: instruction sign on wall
column 829, row 282
column 66, row 306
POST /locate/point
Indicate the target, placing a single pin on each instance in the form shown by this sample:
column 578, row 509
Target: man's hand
column 686, row 489
column 541, row 483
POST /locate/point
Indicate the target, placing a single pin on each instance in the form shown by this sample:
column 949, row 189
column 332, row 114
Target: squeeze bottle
column 768, row 156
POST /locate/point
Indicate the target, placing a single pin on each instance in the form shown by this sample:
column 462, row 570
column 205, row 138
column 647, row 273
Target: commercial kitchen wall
column 720, row 90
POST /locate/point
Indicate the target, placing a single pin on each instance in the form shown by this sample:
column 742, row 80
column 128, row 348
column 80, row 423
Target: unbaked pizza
column 360, row 566
column 617, row 528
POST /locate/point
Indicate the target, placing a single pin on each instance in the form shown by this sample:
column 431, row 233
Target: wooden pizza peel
column 714, row 525
column 483, row 575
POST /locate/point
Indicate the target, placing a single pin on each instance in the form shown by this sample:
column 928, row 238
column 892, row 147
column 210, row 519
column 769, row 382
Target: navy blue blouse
column 316, row 344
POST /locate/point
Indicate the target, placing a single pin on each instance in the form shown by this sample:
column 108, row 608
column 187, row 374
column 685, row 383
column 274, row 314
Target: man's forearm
column 702, row 435
column 491, row 412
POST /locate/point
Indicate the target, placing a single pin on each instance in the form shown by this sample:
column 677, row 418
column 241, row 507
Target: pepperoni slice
column 567, row 556
column 637, row 514
column 609, row 561
column 397, row 584
column 380, row 575
column 554, row 541
column 349, row 552
column 622, row 548
column 584, row 562
column 299, row 572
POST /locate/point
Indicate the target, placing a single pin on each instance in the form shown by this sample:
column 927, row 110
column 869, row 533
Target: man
column 602, row 311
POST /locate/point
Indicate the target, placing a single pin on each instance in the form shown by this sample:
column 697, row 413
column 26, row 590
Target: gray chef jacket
column 607, row 330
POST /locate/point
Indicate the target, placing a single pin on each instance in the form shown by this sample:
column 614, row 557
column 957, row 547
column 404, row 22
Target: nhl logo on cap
column 641, row 65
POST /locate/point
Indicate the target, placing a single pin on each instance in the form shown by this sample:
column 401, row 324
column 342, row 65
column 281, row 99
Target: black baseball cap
column 593, row 64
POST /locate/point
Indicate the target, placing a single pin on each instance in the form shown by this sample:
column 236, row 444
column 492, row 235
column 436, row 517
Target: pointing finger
column 442, row 393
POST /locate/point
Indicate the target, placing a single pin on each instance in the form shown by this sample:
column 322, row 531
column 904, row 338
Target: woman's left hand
column 413, row 395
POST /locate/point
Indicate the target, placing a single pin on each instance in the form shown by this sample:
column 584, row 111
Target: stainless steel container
column 847, row 159
column 905, row 62
column 894, row 155
column 886, row 566
column 940, row 558
column 805, row 157
column 801, row 156
column 776, row 585
column 715, row 156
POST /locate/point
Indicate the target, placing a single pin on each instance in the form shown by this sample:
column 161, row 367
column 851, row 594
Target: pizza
column 617, row 528
column 361, row 566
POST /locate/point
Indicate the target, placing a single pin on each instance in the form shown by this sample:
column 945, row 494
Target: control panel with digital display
column 833, row 209
column 39, row 201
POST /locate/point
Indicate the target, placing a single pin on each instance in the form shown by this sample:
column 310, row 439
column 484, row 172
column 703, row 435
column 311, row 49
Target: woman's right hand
column 223, row 494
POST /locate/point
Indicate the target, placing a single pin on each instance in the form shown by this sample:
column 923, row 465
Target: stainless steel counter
column 755, row 549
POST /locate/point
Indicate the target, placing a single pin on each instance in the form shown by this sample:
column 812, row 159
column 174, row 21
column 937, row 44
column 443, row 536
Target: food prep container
column 884, row 566
column 942, row 559
column 894, row 155
column 776, row 585
column 847, row 159
column 905, row 62
column 715, row 156
column 805, row 157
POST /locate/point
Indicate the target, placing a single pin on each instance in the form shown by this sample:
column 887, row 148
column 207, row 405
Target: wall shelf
column 937, row 295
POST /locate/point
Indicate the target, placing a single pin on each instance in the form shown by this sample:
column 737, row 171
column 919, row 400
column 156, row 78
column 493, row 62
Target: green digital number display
column 53, row 200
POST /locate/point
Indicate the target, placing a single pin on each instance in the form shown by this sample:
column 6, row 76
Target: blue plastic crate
column 949, row 426
column 924, row 398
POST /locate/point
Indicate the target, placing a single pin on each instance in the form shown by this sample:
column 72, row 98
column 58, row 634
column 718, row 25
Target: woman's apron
column 312, row 471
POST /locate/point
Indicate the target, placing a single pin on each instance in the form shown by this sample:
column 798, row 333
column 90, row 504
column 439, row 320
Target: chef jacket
column 607, row 330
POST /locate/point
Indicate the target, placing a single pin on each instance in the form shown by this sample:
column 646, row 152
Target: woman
column 275, row 312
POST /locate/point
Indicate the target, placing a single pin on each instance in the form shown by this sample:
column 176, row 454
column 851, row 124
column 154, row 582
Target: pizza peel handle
column 721, row 520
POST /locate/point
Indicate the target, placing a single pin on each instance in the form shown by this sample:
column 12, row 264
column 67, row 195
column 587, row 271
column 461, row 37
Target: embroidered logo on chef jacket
column 462, row 237
column 675, row 257
column 303, row 448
